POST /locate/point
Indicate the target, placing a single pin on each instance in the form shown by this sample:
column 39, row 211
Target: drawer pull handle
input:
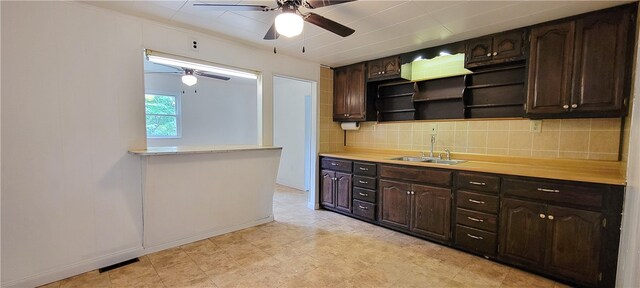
column 475, row 237
column 550, row 217
column 364, row 169
column 475, row 219
column 477, row 183
column 549, row 190
column 362, row 207
column 542, row 216
column 334, row 164
column 363, row 194
column 363, row 182
column 476, row 201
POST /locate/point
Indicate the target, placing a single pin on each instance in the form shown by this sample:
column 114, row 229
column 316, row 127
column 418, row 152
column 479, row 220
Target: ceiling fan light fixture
column 188, row 79
column 289, row 24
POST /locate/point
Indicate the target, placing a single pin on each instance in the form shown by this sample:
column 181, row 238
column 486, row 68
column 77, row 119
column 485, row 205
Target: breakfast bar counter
column 193, row 193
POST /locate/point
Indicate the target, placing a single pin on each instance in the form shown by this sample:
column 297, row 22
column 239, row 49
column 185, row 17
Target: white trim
column 205, row 235
column 73, row 269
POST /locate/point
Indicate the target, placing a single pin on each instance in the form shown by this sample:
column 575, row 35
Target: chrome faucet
column 433, row 142
column 447, row 153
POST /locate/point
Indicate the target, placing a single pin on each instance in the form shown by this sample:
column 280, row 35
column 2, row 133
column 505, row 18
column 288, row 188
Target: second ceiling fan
column 290, row 20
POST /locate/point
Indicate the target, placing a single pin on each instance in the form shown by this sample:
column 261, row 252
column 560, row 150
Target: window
column 163, row 118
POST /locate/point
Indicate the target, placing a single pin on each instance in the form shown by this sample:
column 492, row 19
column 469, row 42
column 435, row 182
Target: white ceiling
column 383, row 28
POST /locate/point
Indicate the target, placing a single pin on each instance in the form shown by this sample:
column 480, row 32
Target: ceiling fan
column 189, row 75
column 290, row 20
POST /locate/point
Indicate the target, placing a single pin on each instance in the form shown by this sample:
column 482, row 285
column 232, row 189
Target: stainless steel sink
column 447, row 162
column 428, row 159
column 412, row 159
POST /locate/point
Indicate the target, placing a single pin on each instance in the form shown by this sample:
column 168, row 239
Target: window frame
column 178, row 116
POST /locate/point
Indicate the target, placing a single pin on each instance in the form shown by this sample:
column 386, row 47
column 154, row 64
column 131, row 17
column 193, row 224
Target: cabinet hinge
column 604, row 223
column 600, row 276
column 525, row 106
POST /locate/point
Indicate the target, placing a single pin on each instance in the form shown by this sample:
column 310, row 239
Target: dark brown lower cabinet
column 420, row 209
column 431, row 213
column 336, row 190
column 574, row 240
column 522, row 232
column 563, row 241
column 327, row 194
column 343, row 192
column 394, row 204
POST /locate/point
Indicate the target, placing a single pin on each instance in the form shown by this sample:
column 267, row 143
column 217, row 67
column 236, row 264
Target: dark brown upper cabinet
column 385, row 68
column 349, row 93
column 495, row 49
column 580, row 68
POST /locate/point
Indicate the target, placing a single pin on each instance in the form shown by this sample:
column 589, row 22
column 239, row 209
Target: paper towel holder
column 347, row 126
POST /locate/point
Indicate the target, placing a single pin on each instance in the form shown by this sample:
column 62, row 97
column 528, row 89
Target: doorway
column 292, row 123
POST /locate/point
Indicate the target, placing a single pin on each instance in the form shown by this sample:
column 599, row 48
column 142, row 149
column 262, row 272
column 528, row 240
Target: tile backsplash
column 597, row 138
column 331, row 135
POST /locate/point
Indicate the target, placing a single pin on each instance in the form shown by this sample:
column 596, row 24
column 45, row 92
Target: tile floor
column 307, row 248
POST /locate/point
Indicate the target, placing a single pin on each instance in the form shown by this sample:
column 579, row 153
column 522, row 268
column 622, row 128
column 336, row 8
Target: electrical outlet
column 535, row 126
column 434, row 130
column 193, row 44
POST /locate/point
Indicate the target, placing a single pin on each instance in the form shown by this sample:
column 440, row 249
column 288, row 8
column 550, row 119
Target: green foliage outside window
column 162, row 115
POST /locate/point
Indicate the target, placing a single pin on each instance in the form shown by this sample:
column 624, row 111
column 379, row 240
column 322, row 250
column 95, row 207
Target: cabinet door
column 550, row 68
column 394, row 203
column 390, row 66
column 431, row 211
column 374, row 69
column 327, row 188
column 478, row 50
column 573, row 248
column 522, row 232
column 508, row 45
column 356, row 99
column 601, row 45
column 343, row 191
column 340, row 93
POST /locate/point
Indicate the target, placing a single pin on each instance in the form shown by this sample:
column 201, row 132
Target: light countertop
column 173, row 150
column 603, row 172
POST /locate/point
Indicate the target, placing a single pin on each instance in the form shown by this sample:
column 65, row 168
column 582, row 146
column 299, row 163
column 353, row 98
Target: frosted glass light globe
column 189, row 80
column 289, row 24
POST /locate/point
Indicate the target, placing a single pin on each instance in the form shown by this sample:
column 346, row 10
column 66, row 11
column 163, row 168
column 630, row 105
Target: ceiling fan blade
column 198, row 73
column 328, row 25
column 272, row 34
column 322, row 3
column 230, row 7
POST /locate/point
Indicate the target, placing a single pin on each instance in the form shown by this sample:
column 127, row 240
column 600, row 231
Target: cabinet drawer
column 364, row 169
column 364, row 182
column 578, row 194
column 337, row 165
column 484, row 221
column 477, row 240
column 477, row 201
column 478, row 182
column 426, row 175
column 364, row 194
column 364, row 209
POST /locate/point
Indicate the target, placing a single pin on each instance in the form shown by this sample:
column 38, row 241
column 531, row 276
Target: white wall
column 72, row 106
column 289, row 129
column 213, row 112
column 629, row 255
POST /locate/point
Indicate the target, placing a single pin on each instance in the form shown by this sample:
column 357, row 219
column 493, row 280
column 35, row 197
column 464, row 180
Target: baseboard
column 208, row 234
column 67, row 271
